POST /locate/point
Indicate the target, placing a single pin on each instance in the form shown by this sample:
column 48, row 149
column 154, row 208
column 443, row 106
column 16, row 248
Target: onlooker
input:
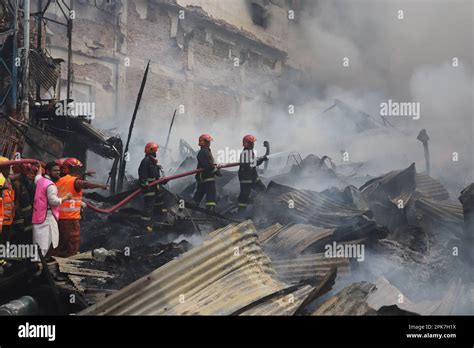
column 46, row 208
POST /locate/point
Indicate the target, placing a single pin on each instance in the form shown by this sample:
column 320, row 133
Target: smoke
column 426, row 57
column 406, row 60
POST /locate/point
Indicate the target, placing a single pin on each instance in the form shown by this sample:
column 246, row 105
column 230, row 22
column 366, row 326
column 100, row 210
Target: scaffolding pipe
column 25, row 104
column 15, row 55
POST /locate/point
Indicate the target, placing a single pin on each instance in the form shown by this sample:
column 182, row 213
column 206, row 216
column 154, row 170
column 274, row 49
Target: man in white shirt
column 45, row 209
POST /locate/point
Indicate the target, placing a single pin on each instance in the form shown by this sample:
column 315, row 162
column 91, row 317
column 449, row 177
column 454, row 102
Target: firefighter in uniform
column 65, row 170
column 206, row 184
column 8, row 204
column 70, row 210
column 24, row 186
column 248, row 176
column 148, row 172
column 2, row 184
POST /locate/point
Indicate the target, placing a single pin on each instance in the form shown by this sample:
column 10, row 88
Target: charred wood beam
column 324, row 286
column 130, row 130
column 168, row 137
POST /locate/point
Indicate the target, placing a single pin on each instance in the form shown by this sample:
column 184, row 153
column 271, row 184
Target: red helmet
column 17, row 169
column 33, row 169
column 249, row 140
column 205, row 139
column 68, row 163
column 60, row 161
column 24, row 168
column 151, row 148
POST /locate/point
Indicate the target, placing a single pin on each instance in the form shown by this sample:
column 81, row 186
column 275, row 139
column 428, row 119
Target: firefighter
column 23, row 184
column 205, row 180
column 149, row 171
column 8, row 204
column 65, row 169
column 70, row 210
column 2, row 185
column 248, row 176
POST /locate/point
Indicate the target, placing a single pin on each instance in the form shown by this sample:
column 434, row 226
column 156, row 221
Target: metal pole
column 39, row 39
column 423, row 137
column 25, row 105
column 15, row 55
column 69, row 52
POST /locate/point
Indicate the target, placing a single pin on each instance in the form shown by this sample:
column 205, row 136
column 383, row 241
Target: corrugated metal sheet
column 44, row 70
column 455, row 299
column 10, row 139
column 295, row 239
column 266, row 233
column 430, row 187
column 439, row 212
column 320, row 209
column 285, row 304
column 222, row 275
column 392, row 184
column 403, row 197
column 402, row 184
column 349, row 301
column 311, row 266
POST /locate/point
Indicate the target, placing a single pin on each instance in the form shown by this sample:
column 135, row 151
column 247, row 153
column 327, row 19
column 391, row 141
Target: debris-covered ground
column 394, row 245
column 355, row 217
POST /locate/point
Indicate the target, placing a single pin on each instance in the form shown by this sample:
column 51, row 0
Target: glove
column 261, row 160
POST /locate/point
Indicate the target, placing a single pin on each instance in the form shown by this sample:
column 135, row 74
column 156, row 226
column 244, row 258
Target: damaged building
column 323, row 237
column 205, row 56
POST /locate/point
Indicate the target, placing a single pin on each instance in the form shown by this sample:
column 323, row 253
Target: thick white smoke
column 409, row 59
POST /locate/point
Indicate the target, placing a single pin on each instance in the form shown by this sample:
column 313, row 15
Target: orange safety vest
column 70, row 209
column 8, row 205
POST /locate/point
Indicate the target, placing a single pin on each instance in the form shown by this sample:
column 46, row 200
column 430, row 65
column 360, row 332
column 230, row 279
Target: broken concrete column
column 467, row 201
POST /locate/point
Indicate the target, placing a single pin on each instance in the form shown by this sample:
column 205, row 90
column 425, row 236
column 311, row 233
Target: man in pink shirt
column 46, row 208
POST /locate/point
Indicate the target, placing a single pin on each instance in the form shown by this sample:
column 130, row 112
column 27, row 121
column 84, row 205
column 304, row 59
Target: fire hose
column 156, row 182
column 21, row 161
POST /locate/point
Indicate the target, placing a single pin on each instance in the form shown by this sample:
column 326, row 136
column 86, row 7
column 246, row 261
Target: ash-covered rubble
column 403, row 241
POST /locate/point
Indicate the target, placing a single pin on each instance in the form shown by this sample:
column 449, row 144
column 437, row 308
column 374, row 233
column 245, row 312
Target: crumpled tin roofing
column 285, row 304
column 349, row 301
column 320, row 209
column 292, row 240
column 439, row 212
column 430, row 187
column 221, row 276
column 310, row 266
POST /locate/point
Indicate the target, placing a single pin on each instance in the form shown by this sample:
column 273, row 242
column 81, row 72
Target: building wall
column 237, row 13
column 192, row 60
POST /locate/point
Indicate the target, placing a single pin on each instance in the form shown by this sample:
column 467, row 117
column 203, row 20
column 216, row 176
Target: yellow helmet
column 3, row 159
column 2, row 181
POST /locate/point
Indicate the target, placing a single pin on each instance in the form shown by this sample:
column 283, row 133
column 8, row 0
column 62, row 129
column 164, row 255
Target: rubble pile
column 396, row 245
column 400, row 227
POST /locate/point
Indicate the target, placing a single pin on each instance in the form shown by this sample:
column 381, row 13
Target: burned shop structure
column 82, row 79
